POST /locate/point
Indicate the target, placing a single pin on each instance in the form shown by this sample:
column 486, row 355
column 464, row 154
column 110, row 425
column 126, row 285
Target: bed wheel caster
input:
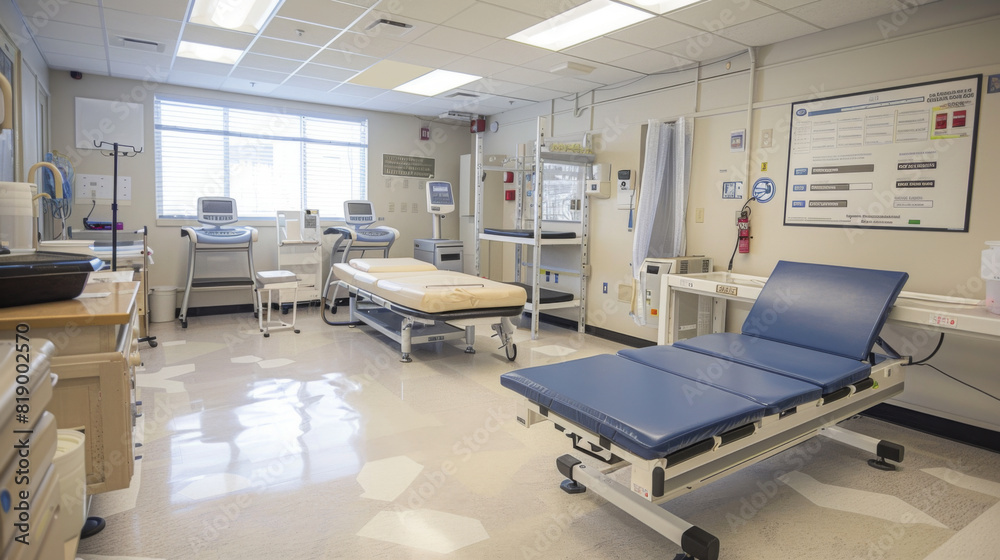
column 184, row 323
column 511, row 351
column 572, row 487
column 881, row 464
column 267, row 335
column 405, row 358
column 297, row 331
column 470, row 350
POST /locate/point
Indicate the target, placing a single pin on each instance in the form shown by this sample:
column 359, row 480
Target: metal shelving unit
column 535, row 173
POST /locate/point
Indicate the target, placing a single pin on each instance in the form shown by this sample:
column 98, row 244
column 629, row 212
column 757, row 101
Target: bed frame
column 712, row 405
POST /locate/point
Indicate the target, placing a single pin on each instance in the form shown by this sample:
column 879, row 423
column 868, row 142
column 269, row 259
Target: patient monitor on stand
column 355, row 237
column 445, row 254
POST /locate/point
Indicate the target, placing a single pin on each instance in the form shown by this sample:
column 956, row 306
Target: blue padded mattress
column 829, row 371
column 776, row 392
column 645, row 410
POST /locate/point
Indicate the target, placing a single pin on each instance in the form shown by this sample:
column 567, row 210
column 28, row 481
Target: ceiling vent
column 138, row 44
column 388, row 28
column 462, row 95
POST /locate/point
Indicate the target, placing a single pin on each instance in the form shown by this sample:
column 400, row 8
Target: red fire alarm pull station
column 509, row 194
column 425, row 133
column 477, row 125
column 508, row 176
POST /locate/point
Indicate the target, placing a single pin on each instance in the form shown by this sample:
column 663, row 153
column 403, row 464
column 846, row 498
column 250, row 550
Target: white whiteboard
column 897, row 158
column 101, row 120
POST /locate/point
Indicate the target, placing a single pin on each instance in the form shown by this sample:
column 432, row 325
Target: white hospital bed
column 412, row 302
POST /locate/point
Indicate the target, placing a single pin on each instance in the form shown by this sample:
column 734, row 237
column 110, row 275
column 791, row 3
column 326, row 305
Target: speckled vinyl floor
column 323, row 445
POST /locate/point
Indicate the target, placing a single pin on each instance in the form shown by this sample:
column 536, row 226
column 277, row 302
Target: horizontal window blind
column 267, row 161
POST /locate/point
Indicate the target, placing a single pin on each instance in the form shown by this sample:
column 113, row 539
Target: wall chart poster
column 897, row 158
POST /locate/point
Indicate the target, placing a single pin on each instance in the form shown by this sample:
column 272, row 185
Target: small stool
column 270, row 280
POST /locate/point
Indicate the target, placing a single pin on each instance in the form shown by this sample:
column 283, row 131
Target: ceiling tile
column 536, row 94
column 343, row 59
column 387, row 74
column 204, row 66
column 362, row 3
column 288, row 29
column 768, row 30
column 604, row 50
column 273, row 63
column 252, row 87
column 454, row 40
column 136, row 26
column 283, row 49
column 166, row 9
column 477, row 66
column 215, row 36
column 386, row 106
column 569, row 85
column 357, row 91
column 491, row 86
column 195, row 78
column 611, row 75
column 343, row 100
column 651, row 62
column 306, row 82
column 785, row 4
column 524, row 76
column 325, row 72
column 433, row 11
column 833, row 13
column 157, row 62
column 492, row 20
column 704, row 47
column 400, row 97
column 73, row 62
column 70, row 32
column 719, row 14
column 366, row 44
column 56, row 46
column 539, row 8
column 256, row 75
column 655, row 33
column 131, row 70
column 70, row 12
column 327, row 12
column 510, row 52
column 425, row 56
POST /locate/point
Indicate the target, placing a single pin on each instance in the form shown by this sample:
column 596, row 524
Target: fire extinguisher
column 743, row 232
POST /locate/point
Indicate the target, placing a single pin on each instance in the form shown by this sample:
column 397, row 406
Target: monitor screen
column 216, row 206
column 360, row 209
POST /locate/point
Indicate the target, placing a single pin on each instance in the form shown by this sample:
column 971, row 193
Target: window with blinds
column 267, row 161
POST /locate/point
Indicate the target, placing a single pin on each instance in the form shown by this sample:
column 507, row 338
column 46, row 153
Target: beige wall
column 388, row 134
column 938, row 262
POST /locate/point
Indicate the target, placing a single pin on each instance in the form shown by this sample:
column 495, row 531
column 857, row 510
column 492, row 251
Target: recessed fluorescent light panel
column 438, row 81
column 238, row 15
column 661, row 6
column 582, row 23
column 211, row 53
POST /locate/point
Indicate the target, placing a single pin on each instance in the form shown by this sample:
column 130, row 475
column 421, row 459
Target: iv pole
column 114, row 202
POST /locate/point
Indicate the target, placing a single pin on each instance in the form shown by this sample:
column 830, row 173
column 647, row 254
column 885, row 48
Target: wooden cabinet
column 97, row 343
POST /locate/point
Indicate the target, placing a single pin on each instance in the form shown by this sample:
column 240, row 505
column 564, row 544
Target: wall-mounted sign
column 900, row 157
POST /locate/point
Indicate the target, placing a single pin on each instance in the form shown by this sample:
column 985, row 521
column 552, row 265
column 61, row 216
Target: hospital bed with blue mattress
column 685, row 415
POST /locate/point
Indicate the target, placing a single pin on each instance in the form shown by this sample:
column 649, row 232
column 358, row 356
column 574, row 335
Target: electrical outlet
column 766, row 136
column 699, row 215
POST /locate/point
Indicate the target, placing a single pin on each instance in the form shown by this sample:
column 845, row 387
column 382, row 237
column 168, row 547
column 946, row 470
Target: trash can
column 70, row 465
column 162, row 304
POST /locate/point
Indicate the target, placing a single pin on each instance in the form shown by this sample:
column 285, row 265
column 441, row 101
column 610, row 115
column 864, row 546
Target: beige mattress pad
column 434, row 291
column 393, row 264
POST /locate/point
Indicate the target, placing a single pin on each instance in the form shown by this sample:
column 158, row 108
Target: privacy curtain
column 660, row 215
